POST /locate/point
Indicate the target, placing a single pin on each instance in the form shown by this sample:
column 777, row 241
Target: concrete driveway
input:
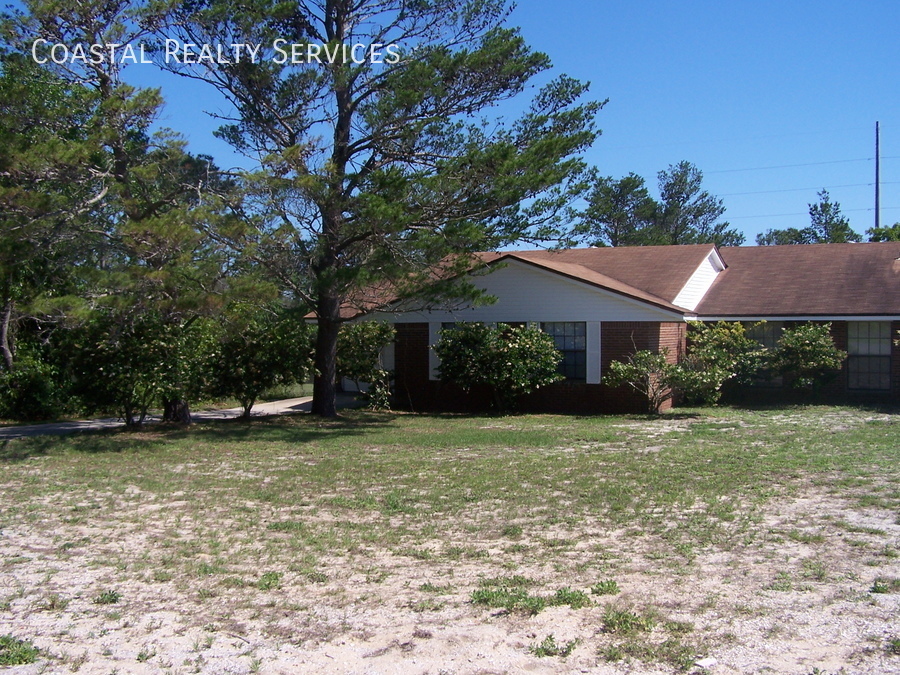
column 288, row 406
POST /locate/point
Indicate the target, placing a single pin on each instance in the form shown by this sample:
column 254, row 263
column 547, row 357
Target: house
column 602, row 304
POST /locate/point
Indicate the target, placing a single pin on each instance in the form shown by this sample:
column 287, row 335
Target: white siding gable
column 528, row 293
column 700, row 282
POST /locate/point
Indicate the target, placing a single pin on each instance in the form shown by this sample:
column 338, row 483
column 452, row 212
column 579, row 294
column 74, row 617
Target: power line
column 806, row 213
column 794, row 166
column 719, row 141
column 815, row 187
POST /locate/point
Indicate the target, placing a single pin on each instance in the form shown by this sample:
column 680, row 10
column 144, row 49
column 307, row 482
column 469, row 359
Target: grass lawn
column 381, row 542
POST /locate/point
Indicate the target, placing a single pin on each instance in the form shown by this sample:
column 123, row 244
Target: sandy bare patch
column 795, row 598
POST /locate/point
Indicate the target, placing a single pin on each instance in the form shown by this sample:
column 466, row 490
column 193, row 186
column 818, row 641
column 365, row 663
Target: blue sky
column 773, row 101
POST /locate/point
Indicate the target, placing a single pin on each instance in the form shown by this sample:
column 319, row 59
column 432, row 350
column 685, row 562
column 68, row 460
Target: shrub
column 31, row 390
column 717, row 352
column 509, row 361
column 807, row 355
column 648, row 373
column 261, row 347
column 359, row 359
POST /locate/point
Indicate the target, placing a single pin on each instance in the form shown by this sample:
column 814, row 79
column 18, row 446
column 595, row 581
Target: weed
column 625, row 621
column 287, row 526
column 512, row 531
column 885, row 585
column 146, row 654
column 426, row 605
column 815, row 570
column 806, row 537
column 320, row 577
column 893, row 646
column 15, row 652
column 162, row 576
column 574, row 599
column 269, row 581
column 679, row 655
column 107, row 597
column 605, row 587
column 396, row 502
column 782, row 582
column 510, row 599
column 429, row 587
column 54, row 603
column 549, row 647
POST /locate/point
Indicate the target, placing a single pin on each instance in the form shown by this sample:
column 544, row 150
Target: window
column 869, row 349
column 570, row 339
column 766, row 333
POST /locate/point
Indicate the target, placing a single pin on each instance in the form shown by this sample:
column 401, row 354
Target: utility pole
column 877, row 174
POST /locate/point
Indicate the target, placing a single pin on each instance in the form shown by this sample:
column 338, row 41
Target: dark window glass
column 570, row 338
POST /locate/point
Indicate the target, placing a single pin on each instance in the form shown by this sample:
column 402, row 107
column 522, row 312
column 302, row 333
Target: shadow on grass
column 300, row 428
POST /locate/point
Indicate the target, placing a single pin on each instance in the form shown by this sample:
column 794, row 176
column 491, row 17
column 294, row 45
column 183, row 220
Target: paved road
column 287, row 406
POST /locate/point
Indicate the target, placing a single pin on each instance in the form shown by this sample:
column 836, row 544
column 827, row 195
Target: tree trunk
column 6, row 346
column 323, row 402
column 176, row 410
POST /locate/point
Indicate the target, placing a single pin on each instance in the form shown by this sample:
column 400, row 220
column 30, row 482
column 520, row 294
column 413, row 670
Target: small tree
column 260, row 348
column 359, row 358
column 509, row 361
column 807, row 354
column 649, row 374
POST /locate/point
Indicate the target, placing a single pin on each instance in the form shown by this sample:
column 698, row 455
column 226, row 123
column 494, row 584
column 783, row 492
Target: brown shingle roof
column 806, row 280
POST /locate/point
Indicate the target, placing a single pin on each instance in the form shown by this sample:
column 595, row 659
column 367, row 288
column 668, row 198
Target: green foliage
column 15, row 652
column 649, row 374
column 622, row 212
column 260, row 347
column 31, row 390
column 269, row 581
column 807, row 355
column 572, row 598
column 626, row 622
column 107, row 597
column 359, row 359
column 688, row 214
column 717, row 352
column 509, row 361
column 549, row 647
column 409, row 170
column 891, row 233
column 619, row 213
column 605, row 587
column 130, row 362
column 827, row 226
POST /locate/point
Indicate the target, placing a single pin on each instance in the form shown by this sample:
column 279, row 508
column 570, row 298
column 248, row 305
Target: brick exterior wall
column 837, row 390
column 617, row 340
